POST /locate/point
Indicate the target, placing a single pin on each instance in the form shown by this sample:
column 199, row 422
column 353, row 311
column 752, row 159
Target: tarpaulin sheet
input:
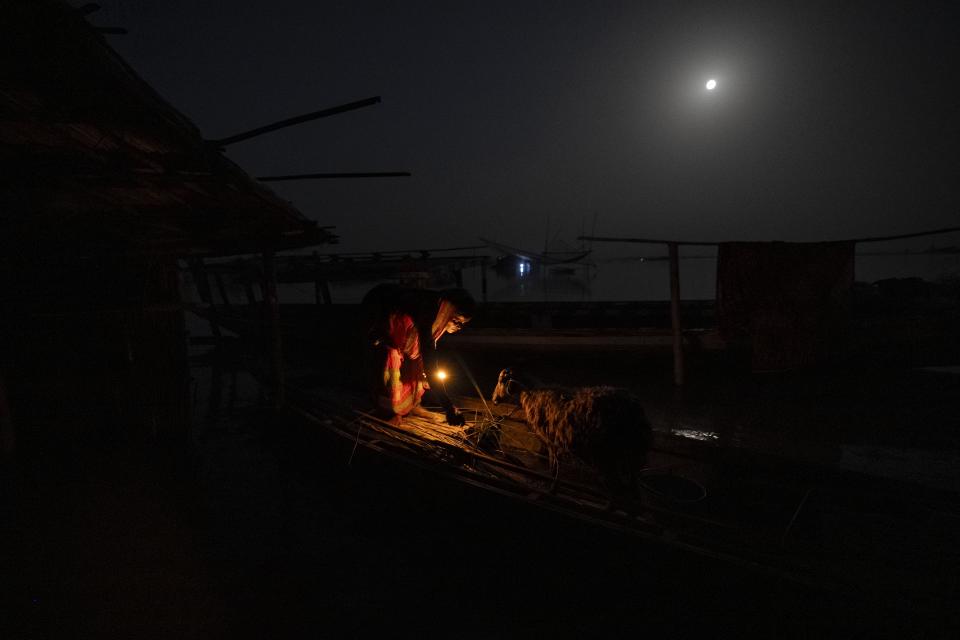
column 792, row 299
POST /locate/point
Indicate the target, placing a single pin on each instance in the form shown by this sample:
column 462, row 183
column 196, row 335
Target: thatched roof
column 93, row 161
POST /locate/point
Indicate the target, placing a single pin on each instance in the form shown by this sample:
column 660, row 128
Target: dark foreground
column 272, row 529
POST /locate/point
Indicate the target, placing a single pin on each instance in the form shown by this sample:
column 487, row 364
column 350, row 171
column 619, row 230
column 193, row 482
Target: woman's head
column 464, row 308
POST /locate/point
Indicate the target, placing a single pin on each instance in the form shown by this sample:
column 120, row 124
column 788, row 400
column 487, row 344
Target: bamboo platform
column 833, row 533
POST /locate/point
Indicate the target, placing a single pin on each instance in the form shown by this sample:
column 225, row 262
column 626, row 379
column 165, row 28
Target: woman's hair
column 462, row 300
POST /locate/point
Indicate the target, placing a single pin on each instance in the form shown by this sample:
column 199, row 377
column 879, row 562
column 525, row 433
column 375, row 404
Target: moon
column 711, row 84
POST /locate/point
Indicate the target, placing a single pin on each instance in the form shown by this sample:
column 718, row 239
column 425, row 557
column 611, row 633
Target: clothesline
column 714, row 244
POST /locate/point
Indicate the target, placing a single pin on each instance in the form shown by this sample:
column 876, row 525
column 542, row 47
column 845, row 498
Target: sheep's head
column 506, row 387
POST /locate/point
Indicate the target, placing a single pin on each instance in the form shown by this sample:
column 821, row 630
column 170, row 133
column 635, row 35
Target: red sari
column 403, row 374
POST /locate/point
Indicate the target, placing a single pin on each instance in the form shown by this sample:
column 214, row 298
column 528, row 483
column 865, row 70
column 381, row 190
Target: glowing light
column 441, row 375
column 711, row 84
column 524, row 268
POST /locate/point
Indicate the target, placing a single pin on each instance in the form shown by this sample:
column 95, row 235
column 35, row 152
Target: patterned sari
column 403, row 373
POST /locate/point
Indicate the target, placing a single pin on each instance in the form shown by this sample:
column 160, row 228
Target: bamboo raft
column 840, row 534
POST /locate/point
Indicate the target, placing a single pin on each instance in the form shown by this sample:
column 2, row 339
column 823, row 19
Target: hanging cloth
column 791, row 299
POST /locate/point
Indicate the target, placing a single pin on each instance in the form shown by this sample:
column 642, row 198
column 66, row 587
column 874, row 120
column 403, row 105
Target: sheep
column 603, row 426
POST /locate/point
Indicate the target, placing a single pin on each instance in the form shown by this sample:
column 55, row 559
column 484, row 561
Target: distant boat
column 546, row 258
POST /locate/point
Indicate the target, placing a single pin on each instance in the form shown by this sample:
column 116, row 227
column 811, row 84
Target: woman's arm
column 431, row 364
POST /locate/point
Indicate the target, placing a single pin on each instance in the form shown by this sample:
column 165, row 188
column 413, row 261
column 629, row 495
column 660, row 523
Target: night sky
column 830, row 119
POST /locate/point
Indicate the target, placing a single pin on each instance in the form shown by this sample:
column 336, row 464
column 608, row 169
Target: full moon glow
column 711, row 84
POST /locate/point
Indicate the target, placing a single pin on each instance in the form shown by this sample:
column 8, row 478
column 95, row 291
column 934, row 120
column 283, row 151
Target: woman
column 403, row 326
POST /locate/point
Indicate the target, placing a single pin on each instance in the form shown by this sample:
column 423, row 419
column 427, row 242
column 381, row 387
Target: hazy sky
column 830, row 119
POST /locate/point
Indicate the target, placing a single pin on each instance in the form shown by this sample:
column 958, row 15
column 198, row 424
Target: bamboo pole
column 289, row 122
column 678, row 373
column 902, row 236
column 329, row 176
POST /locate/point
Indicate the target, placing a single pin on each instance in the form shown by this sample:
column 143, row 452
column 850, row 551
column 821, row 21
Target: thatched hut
column 105, row 188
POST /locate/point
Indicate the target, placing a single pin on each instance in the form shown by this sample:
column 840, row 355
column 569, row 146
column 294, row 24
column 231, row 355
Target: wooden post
column 8, row 435
column 321, row 289
column 222, row 289
column 675, row 313
column 271, row 305
column 202, row 282
column 483, row 280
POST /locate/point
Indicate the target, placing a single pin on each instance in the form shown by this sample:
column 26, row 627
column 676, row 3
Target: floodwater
column 638, row 276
